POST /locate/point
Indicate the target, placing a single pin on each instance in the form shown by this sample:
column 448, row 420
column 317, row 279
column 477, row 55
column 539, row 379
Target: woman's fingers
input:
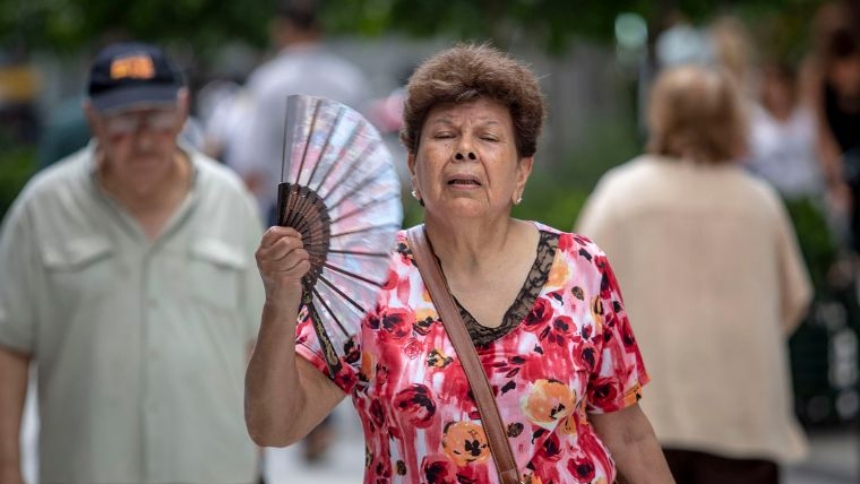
column 275, row 233
column 282, row 254
column 278, row 241
column 291, row 261
column 281, row 248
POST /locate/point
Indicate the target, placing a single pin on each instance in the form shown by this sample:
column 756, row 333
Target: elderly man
column 128, row 278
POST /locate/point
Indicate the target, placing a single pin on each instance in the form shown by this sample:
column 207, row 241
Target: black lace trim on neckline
column 523, row 304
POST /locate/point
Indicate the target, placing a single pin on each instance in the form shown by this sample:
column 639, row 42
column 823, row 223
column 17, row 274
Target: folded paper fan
column 340, row 190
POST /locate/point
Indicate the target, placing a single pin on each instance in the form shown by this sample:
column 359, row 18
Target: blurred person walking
column 832, row 83
column 304, row 65
column 783, row 139
column 128, row 279
column 714, row 284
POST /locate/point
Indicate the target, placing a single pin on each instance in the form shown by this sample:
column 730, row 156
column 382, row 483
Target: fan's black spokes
column 303, row 210
column 285, row 202
column 297, row 193
column 340, row 112
column 363, row 207
column 330, row 312
column 348, row 299
column 376, row 228
column 306, row 210
column 293, row 198
column 353, row 275
column 314, row 229
column 331, row 358
column 307, row 206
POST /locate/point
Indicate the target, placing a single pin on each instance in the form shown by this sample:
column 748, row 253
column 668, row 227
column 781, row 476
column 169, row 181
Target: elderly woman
column 542, row 307
column 714, row 282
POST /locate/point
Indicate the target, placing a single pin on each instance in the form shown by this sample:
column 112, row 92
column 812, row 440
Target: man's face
column 138, row 145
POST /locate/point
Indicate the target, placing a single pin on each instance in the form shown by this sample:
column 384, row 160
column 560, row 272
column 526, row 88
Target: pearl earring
column 415, row 195
column 518, row 200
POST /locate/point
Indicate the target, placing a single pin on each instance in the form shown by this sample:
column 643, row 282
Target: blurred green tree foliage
column 70, row 24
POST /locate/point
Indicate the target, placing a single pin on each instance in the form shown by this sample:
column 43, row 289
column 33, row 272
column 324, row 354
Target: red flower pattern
column 574, row 353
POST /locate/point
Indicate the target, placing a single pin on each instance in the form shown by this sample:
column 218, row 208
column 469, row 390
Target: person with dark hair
column 832, row 84
column 127, row 279
column 542, row 309
column 715, row 284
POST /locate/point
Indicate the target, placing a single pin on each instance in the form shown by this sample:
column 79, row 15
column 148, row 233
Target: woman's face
column 466, row 164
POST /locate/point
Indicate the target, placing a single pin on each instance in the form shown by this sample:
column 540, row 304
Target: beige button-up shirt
column 141, row 346
column 714, row 283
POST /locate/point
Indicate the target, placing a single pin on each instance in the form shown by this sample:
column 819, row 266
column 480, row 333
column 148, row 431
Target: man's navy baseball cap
column 132, row 75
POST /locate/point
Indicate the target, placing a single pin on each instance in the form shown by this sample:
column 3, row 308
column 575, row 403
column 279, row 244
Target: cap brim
column 135, row 97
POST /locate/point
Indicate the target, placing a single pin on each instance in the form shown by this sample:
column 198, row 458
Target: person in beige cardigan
column 713, row 281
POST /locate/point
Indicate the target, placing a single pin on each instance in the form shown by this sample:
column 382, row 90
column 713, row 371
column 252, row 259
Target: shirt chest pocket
column 215, row 273
column 80, row 269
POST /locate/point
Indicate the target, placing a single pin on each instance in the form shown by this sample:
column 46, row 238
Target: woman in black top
column 836, row 95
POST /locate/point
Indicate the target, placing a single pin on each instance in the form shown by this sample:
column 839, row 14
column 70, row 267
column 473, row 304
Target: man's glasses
column 130, row 123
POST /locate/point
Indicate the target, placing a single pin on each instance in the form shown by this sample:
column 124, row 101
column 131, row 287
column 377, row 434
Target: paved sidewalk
column 833, row 453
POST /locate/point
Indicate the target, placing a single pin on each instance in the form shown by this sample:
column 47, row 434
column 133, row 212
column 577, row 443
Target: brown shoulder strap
column 431, row 273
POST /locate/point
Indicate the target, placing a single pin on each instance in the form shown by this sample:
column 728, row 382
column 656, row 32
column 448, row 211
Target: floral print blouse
column 564, row 349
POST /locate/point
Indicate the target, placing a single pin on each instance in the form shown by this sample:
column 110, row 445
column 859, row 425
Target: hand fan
column 339, row 189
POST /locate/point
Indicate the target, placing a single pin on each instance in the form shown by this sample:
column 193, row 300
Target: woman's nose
column 461, row 155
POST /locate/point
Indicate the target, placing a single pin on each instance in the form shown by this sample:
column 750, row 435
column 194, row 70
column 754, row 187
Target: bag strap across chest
column 494, row 428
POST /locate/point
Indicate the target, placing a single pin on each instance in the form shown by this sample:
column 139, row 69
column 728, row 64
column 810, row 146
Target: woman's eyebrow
column 445, row 119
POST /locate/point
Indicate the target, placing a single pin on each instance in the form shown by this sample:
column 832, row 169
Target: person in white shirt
column 303, row 66
column 782, row 147
column 128, row 280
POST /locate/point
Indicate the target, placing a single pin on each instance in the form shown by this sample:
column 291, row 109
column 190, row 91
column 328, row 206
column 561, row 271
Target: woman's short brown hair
column 466, row 73
column 696, row 113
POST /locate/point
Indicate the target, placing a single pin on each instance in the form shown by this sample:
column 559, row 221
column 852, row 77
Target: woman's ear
column 524, row 170
column 416, row 192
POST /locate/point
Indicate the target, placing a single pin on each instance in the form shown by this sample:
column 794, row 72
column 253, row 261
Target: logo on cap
column 138, row 66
